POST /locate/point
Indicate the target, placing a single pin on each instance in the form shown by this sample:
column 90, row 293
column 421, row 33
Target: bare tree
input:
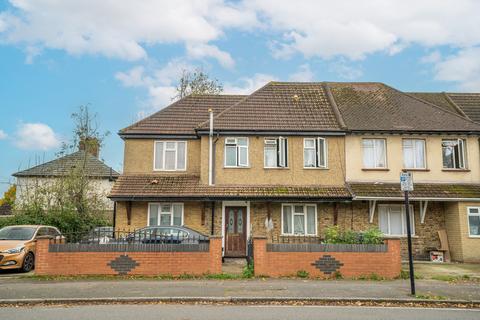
column 196, row 82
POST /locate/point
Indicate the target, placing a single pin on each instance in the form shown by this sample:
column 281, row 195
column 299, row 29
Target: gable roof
column 63, row 165
column 181, row 117
column 378, row 107
column 281, row 106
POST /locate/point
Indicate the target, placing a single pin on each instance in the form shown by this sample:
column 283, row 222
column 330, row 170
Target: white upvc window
column 299, row 219
column 392, row 220
column 165, row 214
column 275, row 152
column 453, row 154
column 473, row 221
column 374, row 153
column 170, row 156
column 315, row 153
column 236, row 152
column 414, row 154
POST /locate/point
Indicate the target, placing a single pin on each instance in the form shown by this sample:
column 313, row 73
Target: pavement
column 209, row 312
column 32, row 288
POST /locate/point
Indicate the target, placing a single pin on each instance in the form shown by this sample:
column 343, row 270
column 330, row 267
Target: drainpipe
column 210, row 150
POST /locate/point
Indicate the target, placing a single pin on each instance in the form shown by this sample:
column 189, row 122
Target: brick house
column 290, row 159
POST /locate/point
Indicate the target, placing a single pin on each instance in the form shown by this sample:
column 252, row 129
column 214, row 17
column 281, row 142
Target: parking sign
column 406, row 181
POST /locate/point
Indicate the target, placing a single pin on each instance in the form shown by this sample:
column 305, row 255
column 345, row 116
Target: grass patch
column 405, row 274
column 429, row 296
column 450, row 278
column 302, row 274
column 371, row 277
column 248, row 271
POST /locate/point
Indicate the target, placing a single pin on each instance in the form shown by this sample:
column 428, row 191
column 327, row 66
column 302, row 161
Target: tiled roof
column 281, row 106
column 378, row 107
column 189, row 186
column 421, row 190
column 467, row 103
column 183, row 116
column 5, row 209
column 62, row 166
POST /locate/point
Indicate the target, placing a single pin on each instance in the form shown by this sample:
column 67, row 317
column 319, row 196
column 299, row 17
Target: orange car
column 17, row 245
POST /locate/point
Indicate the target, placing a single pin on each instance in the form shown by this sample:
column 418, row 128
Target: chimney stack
column 90, row 145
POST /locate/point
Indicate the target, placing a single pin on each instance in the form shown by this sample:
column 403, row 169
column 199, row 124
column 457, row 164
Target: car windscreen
column 17, row 233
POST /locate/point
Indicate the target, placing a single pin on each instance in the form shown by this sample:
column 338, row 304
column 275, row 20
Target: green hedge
column 370, row 236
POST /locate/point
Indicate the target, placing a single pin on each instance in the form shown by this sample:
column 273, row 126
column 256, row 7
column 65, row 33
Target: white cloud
column 160, row 83
column 200, row 51
column 345, row 70
column 3, row 135
column 121, row 29
column 354, row 29
column 303, row 74
column 432, row 57
column 36, row 136
column 248, row 85
column 462, row 68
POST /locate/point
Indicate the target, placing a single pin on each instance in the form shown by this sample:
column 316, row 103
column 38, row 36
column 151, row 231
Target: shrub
column 248, row 271
column 302, row 274
column 334, row 235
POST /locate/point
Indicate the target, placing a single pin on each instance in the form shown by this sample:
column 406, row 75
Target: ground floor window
column 299, row 219
column 165, row 214
column 474, row 221
column 392, row 220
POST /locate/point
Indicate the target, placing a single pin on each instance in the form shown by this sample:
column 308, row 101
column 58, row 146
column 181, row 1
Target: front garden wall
column 328, row 263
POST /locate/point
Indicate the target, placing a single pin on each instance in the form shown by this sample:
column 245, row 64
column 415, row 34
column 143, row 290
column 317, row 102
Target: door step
column 234, row 265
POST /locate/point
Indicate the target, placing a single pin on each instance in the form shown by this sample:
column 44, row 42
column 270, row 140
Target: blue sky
column 123, row 57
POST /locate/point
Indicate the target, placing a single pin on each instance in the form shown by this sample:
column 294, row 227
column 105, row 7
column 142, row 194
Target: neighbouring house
column 291, row 159
column 102, row 176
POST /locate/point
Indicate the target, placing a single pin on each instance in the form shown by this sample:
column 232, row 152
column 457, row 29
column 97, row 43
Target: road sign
column 406, row 181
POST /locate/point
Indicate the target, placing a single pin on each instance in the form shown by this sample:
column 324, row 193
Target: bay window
column 170, row 155
column 236, row 152
column 392, row 220
column 453, row 154
column 314, row 153
column 275, row 152
column 374, row 153
column 299, row 219
column 165, row 214
column 414, row 154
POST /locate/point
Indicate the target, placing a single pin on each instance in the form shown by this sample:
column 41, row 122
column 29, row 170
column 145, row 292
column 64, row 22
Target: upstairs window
column 165, row 214
column 170, row 155
column 276, row 153
column 453, row 154
column 236, row 152
column 414, row 154
column 374, row 153
column 314, row 153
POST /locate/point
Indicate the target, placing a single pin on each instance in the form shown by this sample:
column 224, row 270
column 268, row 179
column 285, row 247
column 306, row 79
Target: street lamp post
column 406, row 184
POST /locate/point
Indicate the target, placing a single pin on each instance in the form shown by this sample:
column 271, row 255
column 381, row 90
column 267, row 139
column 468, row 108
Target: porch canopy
column 423, row 192
column 188, row 187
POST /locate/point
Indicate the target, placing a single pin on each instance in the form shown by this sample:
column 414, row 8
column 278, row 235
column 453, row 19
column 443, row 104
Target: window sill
column 456, row 170
column 299, row 235
column 314, row 168
column 278, row 168
column 161, row 170
column 416, row 169
column 375, row 169
column 248, row 167
column 474, row 237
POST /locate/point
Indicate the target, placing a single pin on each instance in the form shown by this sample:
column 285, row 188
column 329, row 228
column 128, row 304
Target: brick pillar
column 215, row 254
column 259, row 256
column 42, row 255
column 395, row 256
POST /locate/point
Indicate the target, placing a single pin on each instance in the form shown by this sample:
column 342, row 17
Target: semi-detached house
column 291, row 159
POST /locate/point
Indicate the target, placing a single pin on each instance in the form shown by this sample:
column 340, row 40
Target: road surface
column 209, row 312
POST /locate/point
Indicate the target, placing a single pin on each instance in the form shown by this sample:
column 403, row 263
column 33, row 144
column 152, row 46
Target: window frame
column 414, row 153
column 375, row 154
column 404, row 220
column 159, row 213
column 237, row 150
column 281, row 144
column 164, row 142
column 468, row 221
column 292, row 208
column 317, row 150
column 464, row 154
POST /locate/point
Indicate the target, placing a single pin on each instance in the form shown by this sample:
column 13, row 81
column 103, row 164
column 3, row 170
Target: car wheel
column 28, row 262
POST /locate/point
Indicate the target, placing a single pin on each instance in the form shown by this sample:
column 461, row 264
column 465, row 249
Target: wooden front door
column 235, row 231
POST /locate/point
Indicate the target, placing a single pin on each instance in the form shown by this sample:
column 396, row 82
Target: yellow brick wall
column 470, row 245
column 295, row 174
column 138, row 157
column 454, row 230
